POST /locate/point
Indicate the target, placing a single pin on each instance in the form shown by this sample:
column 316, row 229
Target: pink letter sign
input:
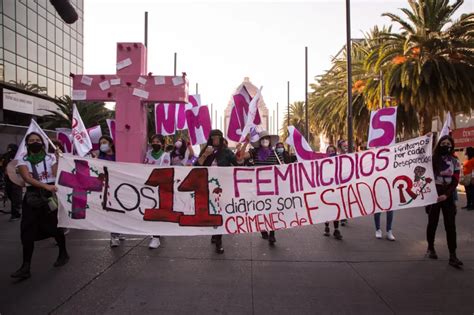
column 199, row 124
column 383, row 124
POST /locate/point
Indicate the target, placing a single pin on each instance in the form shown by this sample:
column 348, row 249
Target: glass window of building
column 9, row 39
column 41, row 55
column 42, row 26
column 51, row 88
column 67, row 42
column 32, row 19
column 59, row 37
column 9, row 7
column 51, row 60
column 20, row 12
column 41, row 10
column 32, row 66
column 59, row 89
column 21, row 47
column 59, row 63
column 51, row 31
column 42, row 70
column 42, row 41
column 74, row 47
column 32, row 50
column 10, row 72
column 20, row 29
column 20, row 61
column 32, row 77
column 9, row 22
column 9, row 56
column 21, row 75
column 42, row 81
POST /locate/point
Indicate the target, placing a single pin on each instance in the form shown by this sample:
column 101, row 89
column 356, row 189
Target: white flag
column 302, row 148
column 253, row 109
column 80, row 137
column 446, row 127
column 34, row 127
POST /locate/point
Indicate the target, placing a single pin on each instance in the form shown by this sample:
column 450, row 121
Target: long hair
column 110, row 140
column 437, row 157
column 28, row 138
column 181, row 151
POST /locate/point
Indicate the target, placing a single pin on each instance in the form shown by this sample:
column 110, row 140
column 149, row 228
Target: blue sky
column 220, row 43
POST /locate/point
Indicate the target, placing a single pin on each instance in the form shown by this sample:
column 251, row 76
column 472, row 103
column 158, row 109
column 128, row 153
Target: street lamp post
column 350, row 132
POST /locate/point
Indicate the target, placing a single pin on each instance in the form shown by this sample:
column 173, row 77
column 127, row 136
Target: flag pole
column 350, row 132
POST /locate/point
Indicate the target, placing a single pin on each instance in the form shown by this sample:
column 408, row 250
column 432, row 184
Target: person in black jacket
column 12, row 190
column 216, row 153
column 446, row 169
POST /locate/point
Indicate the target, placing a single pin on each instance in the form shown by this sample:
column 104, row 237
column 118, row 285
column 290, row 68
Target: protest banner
column 146, row 200
column 239, row 113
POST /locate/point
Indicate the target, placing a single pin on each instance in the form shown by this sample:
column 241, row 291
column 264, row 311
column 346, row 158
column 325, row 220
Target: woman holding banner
column 332, row 151
column 216, row 153
column 158, row 156
column 39, row 220
column 264, row 154
column 446, row 172
column 107, row 152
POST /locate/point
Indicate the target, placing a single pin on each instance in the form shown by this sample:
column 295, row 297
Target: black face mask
column 156, row 147
column 35, row 147
column 445, row 150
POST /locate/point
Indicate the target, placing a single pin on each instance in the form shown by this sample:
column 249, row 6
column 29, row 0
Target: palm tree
column 92, row 114
column 297, row 119
column 35, row 88
column 429, row 66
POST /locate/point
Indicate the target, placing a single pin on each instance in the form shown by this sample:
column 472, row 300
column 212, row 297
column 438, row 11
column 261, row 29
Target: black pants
column 14, row 193
column 449, row 217
column 336, row 224
column 469, row 195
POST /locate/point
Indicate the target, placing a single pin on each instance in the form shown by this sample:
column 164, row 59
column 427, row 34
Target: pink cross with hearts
column 130, row 88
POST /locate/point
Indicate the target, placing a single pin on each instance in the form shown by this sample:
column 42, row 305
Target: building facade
column 37, row 47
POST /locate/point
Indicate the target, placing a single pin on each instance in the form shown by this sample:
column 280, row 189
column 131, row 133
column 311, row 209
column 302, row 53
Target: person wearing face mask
column 332, row 151
column 182, row 153
column 343, row 149
column 216, row 153
column 158, row 156
column 446, row 172
column 39, row 220
column 282, row 153
column 12, row 190
column 107, row 152
column 107, row 149
column 262, row 154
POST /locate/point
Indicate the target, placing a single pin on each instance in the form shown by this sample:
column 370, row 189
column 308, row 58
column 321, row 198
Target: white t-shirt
column 45, row 175
column 164, row 160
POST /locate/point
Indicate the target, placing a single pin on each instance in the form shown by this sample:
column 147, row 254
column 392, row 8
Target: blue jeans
column 389, row 220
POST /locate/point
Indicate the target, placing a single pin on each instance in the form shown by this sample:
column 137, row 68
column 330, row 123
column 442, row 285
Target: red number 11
column 197, row 181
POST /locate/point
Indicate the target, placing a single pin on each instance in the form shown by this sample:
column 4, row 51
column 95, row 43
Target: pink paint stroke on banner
column 383, row 124
column 301, row 146
column 165, row 118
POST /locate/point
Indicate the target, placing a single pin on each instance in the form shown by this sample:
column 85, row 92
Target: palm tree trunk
column 426, row 122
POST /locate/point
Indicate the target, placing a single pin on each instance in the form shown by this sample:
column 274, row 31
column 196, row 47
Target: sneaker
column 114, row 242
column 343, row 222
column 66, row 231
column 327, row 231
column 378, row 233
column 337, row 235
column 431, row 253
column 272, row 239
column 454, row 261
column 63, row 259
column 390, row 236
column 14, row 218
column 154, row 243
column 22, row 273
column 265, row 235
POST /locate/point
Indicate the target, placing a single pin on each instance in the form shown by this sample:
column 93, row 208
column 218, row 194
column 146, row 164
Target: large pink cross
column 130, row 88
